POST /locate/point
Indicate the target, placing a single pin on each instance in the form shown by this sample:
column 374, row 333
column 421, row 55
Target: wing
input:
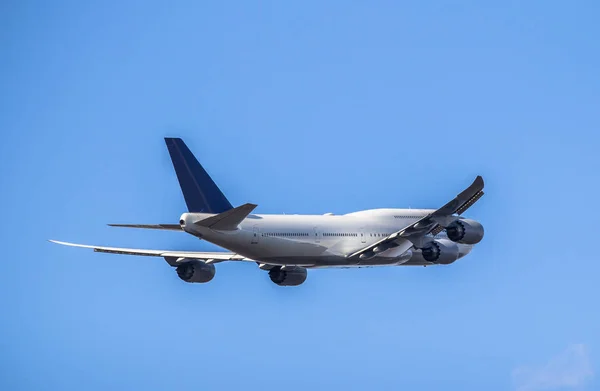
column 433, row 223
column 171, row 257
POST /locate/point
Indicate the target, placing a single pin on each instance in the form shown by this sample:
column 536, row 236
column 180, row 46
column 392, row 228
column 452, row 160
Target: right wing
column 433, row 223
column 170, row 256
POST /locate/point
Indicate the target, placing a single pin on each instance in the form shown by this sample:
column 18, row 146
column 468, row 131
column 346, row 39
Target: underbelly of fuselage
column 335, row 261
column 303, row 252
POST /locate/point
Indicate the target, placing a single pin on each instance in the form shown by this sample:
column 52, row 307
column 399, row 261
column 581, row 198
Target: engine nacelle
column 465, row 231
column 441, row 251
column 196, row 271
column 288, row 277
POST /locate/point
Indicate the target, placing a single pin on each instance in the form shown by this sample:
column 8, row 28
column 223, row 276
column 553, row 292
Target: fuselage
column 316, row 240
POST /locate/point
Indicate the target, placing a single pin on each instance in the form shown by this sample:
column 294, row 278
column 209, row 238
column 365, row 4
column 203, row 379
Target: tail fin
column 201, row 194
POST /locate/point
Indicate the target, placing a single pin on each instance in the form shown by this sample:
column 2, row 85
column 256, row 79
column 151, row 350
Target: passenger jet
column 287, row 245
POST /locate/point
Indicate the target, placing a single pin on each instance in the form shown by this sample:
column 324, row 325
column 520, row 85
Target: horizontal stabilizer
column 229, row 220
column 167, row 227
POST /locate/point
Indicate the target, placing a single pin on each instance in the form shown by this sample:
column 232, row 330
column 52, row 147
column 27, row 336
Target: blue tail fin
column 200, row 192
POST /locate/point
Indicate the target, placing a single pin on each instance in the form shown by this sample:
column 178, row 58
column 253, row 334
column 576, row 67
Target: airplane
column 288, row 245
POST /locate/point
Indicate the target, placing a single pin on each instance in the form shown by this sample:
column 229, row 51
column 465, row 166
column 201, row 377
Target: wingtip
column 479, row 181
column 64, row 243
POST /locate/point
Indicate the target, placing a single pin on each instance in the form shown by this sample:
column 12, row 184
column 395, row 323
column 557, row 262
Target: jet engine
column 196, row 271
column 465, row 231
column 441, row 251
column 283, row 276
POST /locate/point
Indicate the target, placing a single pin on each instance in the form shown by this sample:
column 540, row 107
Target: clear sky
column 299, row 107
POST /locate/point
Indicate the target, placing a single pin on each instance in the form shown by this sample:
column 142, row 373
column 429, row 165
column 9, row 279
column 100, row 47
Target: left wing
column 171, row 257
column 433, row 223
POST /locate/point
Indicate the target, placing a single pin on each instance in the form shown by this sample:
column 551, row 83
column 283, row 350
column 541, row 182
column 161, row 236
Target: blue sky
column 305, row 107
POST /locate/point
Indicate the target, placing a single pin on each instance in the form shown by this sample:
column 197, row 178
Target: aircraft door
column 363, row 237
column 317, row 235
column 255, row 235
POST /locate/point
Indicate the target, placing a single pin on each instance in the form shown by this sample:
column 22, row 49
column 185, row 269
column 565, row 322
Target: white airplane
column 288, row 245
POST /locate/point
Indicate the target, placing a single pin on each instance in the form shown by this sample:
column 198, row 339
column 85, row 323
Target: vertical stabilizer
column 201, row 193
